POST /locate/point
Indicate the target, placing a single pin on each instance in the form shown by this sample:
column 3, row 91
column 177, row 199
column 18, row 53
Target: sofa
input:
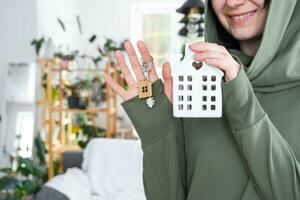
column 111, row 170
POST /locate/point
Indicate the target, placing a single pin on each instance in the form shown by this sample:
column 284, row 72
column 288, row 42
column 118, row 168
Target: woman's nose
column 235, row 3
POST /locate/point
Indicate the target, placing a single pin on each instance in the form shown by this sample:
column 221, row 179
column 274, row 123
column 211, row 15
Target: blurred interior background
column 53, row 96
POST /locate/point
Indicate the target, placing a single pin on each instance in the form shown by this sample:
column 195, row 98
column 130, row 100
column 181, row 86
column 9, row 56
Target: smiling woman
column 244, row 20
column 253, row 151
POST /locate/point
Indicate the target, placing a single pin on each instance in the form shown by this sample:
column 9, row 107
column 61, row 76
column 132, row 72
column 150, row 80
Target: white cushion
column 114, row 167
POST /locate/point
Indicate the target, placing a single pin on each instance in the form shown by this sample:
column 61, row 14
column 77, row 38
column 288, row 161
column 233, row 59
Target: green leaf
column 26, row 166
column 90, row 132
column 61, row 23
column 79, row 24
column 97, row 60
column 56, row 165
column 38, row 43
column 8, row 182
column 30, row 187
column 6, row 170
column 82, row 144
column 93, row 38
column 39, row 171
column 40, row 149
column 14, row 197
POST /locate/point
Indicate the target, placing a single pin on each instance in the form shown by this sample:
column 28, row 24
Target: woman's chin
column 244, row 35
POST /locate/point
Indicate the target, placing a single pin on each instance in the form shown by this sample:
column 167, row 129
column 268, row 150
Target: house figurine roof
column 186, row 65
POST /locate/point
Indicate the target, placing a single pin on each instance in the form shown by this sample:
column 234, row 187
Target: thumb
column 168, row 83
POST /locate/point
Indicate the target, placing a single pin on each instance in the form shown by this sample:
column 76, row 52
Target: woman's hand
column 218, row 56
column 136, row 66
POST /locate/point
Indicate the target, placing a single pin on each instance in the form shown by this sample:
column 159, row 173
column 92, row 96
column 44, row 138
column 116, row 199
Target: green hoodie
column 253, row 151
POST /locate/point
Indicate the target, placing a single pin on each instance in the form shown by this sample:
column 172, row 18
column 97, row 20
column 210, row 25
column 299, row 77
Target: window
column 157, row 25
column 24, row 133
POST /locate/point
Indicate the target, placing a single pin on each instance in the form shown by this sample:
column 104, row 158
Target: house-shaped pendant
column 197, row 88
column 145, row 89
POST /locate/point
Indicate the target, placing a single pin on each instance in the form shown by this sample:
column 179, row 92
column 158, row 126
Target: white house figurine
column 197, row 88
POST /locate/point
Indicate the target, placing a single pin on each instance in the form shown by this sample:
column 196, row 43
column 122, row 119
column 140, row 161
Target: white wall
column 105, row 18
column 49, row 10
column 18, row 26
column 1, row 114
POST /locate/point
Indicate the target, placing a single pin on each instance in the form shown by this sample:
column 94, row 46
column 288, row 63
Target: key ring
column 147, row 65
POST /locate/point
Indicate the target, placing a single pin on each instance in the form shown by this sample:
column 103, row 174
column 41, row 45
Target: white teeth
column 238, row 17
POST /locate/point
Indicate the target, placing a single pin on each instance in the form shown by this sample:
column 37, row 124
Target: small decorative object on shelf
column 73, row 99
column 193, row 11
column 196, row 88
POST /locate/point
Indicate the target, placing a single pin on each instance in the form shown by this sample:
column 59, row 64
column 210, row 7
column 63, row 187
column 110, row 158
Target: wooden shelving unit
column 56, row 115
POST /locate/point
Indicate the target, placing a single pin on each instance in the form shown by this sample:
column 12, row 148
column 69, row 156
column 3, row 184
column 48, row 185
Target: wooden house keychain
column 144, row 86
column 197, row 88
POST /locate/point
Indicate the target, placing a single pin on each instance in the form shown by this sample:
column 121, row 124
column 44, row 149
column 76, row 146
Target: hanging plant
column 38, row 43
column 79, row 24
column 62, row 24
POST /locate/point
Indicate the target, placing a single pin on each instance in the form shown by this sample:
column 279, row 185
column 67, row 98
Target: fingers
column 222, row 64
column 147, row 57
column 114, row 85
column 211, row 55
column 168, row 83
column 216, row 55
column 206, row 46
column 134, row 61
column 121, row 61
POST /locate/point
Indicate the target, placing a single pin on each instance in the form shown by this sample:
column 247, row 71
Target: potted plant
column 24, row 181
column 83, row 88
column 65, row 59
column 73, row 99
column 88, row 132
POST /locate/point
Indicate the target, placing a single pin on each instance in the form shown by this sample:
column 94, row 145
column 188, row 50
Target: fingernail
column 127, row 42
column 139, row 42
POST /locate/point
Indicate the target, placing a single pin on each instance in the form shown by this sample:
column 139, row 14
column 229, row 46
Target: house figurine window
column 197, row 88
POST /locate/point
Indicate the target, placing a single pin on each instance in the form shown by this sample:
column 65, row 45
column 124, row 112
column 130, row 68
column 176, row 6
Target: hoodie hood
column 276, row 65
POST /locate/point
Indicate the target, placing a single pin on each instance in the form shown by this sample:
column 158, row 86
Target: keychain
column 145, row 86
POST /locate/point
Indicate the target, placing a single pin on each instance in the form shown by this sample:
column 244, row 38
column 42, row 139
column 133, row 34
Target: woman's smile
column 241, row 18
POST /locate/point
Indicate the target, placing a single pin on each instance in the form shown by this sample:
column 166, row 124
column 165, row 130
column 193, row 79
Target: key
column 145, row 86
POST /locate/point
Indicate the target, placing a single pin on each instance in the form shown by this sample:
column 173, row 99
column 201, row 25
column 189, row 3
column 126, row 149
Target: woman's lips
column 240, row 19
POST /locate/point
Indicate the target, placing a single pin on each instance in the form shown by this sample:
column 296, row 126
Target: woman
column 253, row 151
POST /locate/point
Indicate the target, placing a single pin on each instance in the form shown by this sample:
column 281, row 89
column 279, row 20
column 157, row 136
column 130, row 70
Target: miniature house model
column 197, row 88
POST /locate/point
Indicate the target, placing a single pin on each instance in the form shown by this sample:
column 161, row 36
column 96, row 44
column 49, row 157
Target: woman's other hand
column 218, row 56
column 136, row 66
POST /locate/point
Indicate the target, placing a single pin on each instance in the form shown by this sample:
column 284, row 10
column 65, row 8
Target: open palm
column 136, row 66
